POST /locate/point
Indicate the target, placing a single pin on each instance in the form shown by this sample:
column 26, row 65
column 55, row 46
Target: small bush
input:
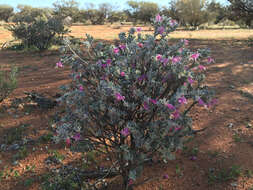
column 40, row 33
column 131, row 101
column 8, row 82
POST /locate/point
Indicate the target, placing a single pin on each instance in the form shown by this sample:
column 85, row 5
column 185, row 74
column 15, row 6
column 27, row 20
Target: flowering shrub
column 8, row 82
column 131, row 101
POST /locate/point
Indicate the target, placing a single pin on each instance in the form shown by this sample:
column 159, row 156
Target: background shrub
column 40, row 33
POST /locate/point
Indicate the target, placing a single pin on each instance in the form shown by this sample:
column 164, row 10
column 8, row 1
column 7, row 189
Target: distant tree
column 6, row 12
column 105, row 9
column 142, row 10
column 96, row 16
column 117, row 16
column 29, row 14
column 242, row 10
column 66, row 8
column 216, row 12
column 191, row 12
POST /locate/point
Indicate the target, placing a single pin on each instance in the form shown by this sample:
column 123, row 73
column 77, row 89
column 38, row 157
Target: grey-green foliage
column 41, row 32
column 128, row 100
column 8, row 82
column 6, row 12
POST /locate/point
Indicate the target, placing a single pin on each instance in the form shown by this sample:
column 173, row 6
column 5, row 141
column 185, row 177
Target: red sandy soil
column 218, row 149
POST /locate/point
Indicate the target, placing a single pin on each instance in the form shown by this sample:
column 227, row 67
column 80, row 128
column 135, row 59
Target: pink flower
column 202, row 67
column 161, row 30
column 68, row 142
column 130, row 182
column 193, row 158
column 158, row 18
column 77, row 137
column 173, row 23
column 145, row 105
column 122, row 46
column 81, row 88
column 158, row 57
column 177, row 129
column 176, row 114
column 180, row 50
column 77, row 76
column 195, row 56
column 59, row 64
column 186, row 42
column 165, row 176
column 140, row 45
column 190, row 80
column 182, row 100
column 108, row 61
column 116, row 50
column 138, row 29
column 119, row 97
column 153, row 101
column 170, row 106
column 176, row 59
column 122, row 74
column 210, row 60
column 125, row 132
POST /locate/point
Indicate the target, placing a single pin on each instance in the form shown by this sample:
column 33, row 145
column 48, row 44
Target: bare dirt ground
column 224, row 152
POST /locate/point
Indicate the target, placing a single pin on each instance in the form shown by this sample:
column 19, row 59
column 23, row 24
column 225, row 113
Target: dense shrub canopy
column 130, row 101
column 40, row 33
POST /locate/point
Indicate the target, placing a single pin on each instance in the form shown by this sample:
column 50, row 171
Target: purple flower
column 119, row 97
column 195, row 56
column 142, row 77
column 165, row 61
column 212, row 102
column 161, row 30
column 193, row 158
column 158, row 57
column 182, row 100
column 116, row 50
column 158, row 18
column 145, row 105
column 165, row 176
column 176, row 59
column 201, row 102
column 153, row 101
column 68, row 141
column 176, row 114
column 190, row 80
column 122, row 74
column 59, row 64
column 125, row 132
column 81, row 88
column 138, row 29
column 77, row 137
column 210, row 60
column 122, row 46
column 170, row 106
